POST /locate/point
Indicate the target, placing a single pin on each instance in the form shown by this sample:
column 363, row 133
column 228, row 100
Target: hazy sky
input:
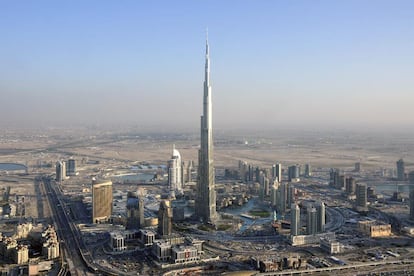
column 273, row 63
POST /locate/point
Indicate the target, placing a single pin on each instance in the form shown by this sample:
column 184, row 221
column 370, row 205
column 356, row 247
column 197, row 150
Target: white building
column 175, row 173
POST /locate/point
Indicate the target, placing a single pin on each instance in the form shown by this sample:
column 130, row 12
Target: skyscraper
column 312, row 221
column 205, row 207
column 135, row 211
column 175, row 181
column 165, row 215
column 71, row 168
column 321, row 218
column 400, row 170
column 60, row 171
column 361, row 196
column 294, row 219
column 101, row 200
column 411, row 189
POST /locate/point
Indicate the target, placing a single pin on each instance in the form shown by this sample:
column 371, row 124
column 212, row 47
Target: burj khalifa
column 205, row 204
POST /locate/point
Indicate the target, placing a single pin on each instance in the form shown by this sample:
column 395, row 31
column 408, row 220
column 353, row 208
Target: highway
column 66, row 234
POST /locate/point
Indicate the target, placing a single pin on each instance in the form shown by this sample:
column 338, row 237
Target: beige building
column 101, row 200
column 374, row 229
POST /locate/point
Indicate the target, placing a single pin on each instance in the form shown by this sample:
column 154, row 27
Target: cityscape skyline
column 343, row 64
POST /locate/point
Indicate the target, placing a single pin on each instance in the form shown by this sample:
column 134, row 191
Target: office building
column 350, row 185
column 361, row 196
column 294, row 220
column 135, row 211
column 175, row 173
column 60, row 171
column 205, row 203
column 400, row 170
column 357, row 167
column 165, row 215
column 308, row 170
column 312, row 221
column 101, row 200
column 321, row 217
column 293, row 173
column 411, row 179
column 71, row 167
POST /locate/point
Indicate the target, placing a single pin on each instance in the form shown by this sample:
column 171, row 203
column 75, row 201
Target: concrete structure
column 310, row 239
column 175, row 173
column 205, row 203
column 101, row 200
column 135, row 211
column 147, row 237
column 117, row 242
column 165, row 215
column 294, row 220
column 374, row 229
column 361, row 196
column 330, row 246
column 161, row 249
column 60, row 171
column 50, row 247
column 184, row 254
column 20, row 254
column 400, row 170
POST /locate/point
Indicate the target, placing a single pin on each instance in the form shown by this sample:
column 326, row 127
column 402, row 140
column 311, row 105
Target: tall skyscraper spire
column 206, row 194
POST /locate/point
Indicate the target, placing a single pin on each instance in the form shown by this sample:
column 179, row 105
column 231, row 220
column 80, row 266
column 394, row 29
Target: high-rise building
column 350, row 185
column 189, row 173
column 165, row 215
column 135, row 211
column 411, row 177
column 312, row 221
column 308, row 170
column 357, row 167
column 279, row 172
column 412, row 204
column 60, row 171
column 400, row 170
column 293, row 172
column 294, row 219
column 361, row 195
column 321, row 218
column 282, row 194
column 175, row 181
column 71, row 168
column 273, row 193
column 205, row 208
column 101, row 200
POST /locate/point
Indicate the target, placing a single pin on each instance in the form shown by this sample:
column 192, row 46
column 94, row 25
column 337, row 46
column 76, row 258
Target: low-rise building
column 330, row 246
column 184, row 254
column 147, row 237
column 117, row 242
column 162, row 250
column 374, row 229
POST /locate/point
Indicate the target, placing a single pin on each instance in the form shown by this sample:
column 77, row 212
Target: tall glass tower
column 205, row 205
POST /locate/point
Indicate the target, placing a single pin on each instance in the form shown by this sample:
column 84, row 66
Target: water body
column 12, row 167
column 138, row 177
